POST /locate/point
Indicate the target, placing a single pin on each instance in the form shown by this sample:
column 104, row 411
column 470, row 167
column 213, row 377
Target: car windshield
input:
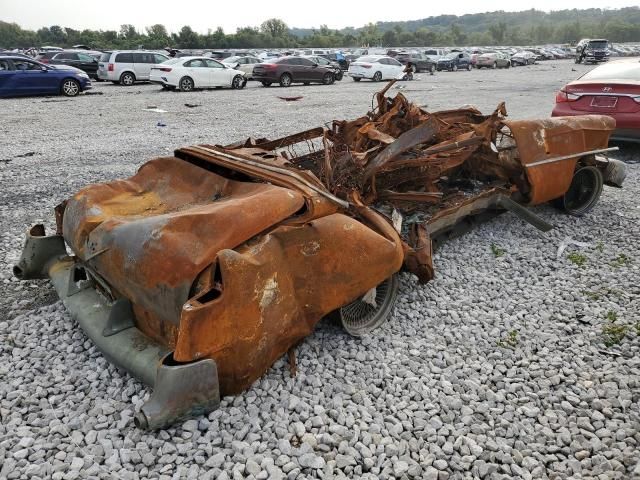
column 231, row 59
column 599, row 44
column 618, row 71
column 368, row 59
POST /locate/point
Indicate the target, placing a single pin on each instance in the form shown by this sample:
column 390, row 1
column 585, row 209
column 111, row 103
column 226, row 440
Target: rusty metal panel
column 542, row 139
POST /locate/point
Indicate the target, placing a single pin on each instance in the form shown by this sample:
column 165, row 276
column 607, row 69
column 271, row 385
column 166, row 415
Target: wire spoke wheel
column 584, row 191
column 360, row 317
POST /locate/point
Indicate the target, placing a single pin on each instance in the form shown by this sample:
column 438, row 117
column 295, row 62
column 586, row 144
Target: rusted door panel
column 276, row 289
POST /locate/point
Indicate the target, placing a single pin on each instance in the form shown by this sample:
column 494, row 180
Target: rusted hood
column 151, row 235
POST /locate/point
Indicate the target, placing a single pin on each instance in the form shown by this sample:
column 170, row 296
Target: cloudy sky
column 202, row 15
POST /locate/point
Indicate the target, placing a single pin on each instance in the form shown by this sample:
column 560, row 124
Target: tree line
column 493, row 28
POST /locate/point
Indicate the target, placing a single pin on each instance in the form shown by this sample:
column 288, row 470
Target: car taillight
column 270, row 66
column 110, row 67
column 164, row 69
column 562, row 97
column 44, row 60
column 365, row 65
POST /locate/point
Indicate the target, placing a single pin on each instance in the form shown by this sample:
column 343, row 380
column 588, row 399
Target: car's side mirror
column 314, row 65
column 44, row 69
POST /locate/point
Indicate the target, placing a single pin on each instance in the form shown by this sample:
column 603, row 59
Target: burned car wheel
column 583, row 193
column 361, row 317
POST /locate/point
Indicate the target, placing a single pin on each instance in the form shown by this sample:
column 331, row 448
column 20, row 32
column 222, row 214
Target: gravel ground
column 498, row 368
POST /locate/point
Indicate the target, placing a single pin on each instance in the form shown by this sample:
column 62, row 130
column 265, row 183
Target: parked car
column 523, row 58
column 243, row 63
column 339, row 58
column 435, row 54
column 128, row 66
column 289, row 70
column 323, row 62
column 454, row 61
column 83, row 60
column 188, row 73
column 592, row 50
column 419, row 61
column 376, row 68
column 612, row 89
column 20, row 76
column 493, row 60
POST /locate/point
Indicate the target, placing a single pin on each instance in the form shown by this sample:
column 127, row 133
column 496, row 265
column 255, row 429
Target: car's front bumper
column 180, row 390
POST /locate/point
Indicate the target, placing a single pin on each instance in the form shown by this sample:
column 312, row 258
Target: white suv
column 128, row 66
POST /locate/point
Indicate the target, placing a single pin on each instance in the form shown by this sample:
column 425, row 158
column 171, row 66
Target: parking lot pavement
column 497, row 367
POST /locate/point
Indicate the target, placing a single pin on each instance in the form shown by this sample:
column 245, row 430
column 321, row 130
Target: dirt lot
column 497, row 368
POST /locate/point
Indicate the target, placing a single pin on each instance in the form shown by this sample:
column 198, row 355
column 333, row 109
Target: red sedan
column 611, row 89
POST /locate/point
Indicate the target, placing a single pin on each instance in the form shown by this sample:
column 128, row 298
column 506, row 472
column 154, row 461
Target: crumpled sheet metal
column 213, row 269
column 542, row 139
column 234, row 253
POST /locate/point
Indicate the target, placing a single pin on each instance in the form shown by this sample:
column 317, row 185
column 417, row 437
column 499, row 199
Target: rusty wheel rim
column 360, row 318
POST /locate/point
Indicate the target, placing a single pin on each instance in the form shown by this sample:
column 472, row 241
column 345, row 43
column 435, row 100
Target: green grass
column 497, row 251
column 510, row 340
column 621, row 260
column 577, row 259
column 613, row 333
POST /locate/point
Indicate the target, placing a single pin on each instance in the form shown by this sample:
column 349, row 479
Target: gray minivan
column 128, row 66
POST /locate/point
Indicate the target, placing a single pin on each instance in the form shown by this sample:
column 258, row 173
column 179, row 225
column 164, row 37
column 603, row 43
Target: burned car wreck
column 201, row 270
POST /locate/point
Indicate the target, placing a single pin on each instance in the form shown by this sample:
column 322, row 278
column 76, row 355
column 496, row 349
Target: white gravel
column 496, row 369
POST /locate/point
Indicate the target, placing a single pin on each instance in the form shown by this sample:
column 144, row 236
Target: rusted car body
column 201, row 270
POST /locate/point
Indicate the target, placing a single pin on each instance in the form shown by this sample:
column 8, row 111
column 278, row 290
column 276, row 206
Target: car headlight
column 82, row 75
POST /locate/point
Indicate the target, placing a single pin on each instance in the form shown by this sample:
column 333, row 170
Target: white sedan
column 187, row 73
column 376, row 68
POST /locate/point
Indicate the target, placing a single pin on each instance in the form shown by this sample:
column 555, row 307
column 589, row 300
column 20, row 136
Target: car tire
column 495, row 65
column 70, row 87
column 339, row 76
column 469, row 67
column 238, row 82
column 583, row 193
column 454, row 68
column 432, row 69
column 127, row 79
column 186, row 84
column 356, row 79
column 377, row 77
column 508, row 65
column 328, row 78
column 360, row 318
column 266, row 84
column 285, row 80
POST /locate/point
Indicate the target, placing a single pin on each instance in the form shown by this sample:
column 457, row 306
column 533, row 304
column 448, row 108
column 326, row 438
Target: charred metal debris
column 197, row 273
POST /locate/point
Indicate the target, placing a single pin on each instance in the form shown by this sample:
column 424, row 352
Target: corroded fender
column 543, row 139
column 217, row 264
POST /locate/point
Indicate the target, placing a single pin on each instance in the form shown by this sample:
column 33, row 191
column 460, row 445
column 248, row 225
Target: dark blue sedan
column 20, row 76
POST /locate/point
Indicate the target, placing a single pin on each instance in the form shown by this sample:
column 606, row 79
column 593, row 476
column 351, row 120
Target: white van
column 128, row 66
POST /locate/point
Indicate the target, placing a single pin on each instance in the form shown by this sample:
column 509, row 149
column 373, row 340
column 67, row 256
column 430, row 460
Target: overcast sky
column 202, row 15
